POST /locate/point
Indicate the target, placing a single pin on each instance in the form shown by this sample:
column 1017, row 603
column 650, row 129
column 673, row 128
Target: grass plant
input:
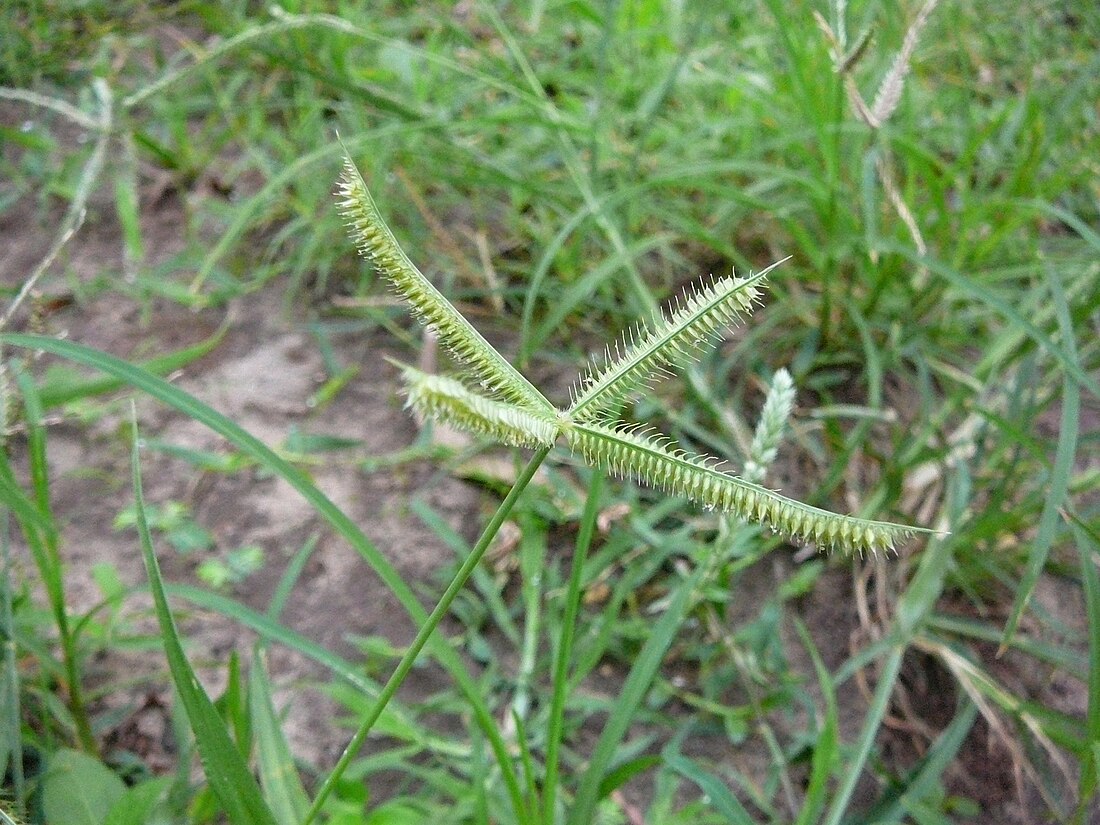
column 930, row 169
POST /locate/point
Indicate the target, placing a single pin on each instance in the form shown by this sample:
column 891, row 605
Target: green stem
column 7, row 628
column 425, row 632
column 532, row 561
column 565, row 649
column 879, row 704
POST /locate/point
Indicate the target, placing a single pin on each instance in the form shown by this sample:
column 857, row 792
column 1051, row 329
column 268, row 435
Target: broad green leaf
column 139, row 805
column 79, row 789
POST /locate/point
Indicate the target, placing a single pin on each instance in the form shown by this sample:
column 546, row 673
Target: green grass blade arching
column 635, row 453
column 445, row 399
column 673, row 341
column 225, row 769
column 377, row 244
column 54, row 393
column 190, row 406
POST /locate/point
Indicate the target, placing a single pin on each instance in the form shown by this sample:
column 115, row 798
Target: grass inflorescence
column 560, row 172
column 647, row 353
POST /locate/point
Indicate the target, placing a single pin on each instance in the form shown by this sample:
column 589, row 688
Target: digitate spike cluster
column 519, row 415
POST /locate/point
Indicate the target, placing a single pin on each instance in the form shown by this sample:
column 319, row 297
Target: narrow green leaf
column 278, row 774
column 624, row 772
column 61, row 389
column 226, row 771
column 11, row 733
column 47, row 554
column 827, row 741
column 127, row 206
column 720, row 796
column 1057, row 485
column 1066, row 358
column 290, row 576
column 1088, row 548
column 233, row 706
column 26, row 511
column 271, row 630
column 922, row 779
column 559, row 691
column 630, row 697
column 325, row 508
column 888, row 675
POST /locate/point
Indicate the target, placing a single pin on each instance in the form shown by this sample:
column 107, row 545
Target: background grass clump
column 561, row 170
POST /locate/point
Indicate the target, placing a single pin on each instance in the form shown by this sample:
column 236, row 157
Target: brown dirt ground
column 260, row 376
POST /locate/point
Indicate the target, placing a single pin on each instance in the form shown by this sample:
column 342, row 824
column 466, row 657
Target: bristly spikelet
column 651, row 351
column 447, row 400
column 769, row 430
column 638, row 454
column 378, row 245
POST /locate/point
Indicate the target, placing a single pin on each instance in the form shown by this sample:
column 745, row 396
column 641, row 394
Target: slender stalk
column 7, row 627
column 425, row 632
column 565, row 650
column 879, row 704
column 532, row 552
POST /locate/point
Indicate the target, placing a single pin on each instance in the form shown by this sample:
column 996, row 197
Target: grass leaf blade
column 226, row 771
column 1058, row 483
column 325, row 508
column 633, row 691
column 826, row 743
column 278, row 774
column 1088, row 544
